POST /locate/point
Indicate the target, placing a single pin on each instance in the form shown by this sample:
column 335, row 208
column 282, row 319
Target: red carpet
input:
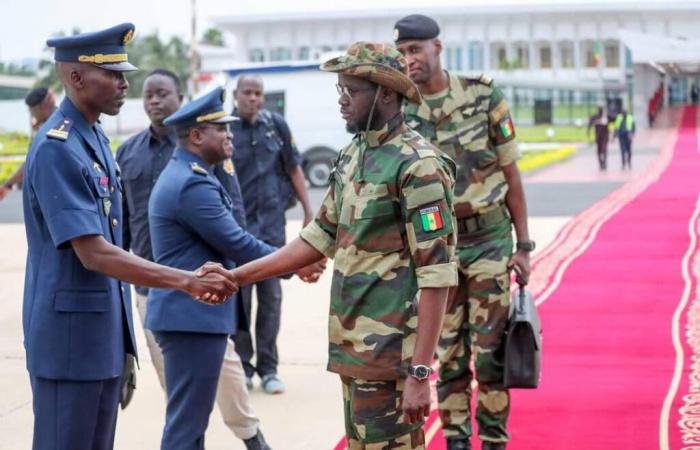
column 620, row 305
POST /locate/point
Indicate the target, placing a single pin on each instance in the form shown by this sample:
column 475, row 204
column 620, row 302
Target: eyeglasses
column 349, row 91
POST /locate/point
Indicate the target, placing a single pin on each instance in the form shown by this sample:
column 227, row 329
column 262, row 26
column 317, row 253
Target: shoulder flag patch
column 431, row 219
column 506, row 126
column 61, row 133
column 196, row 168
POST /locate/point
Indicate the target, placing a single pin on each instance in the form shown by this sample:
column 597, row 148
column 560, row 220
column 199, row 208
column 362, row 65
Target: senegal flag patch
column 506, row 127
column 431, row 219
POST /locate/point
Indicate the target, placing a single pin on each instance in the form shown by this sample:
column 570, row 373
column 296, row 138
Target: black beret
column 36, row 96
column 416, row 26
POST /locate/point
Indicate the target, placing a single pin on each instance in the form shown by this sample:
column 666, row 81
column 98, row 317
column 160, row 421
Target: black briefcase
column 523, row 351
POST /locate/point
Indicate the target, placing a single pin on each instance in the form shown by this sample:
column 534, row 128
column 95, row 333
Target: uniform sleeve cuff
column 508, row 153
column 437, row 276
column 314, row 235
column 69, row 224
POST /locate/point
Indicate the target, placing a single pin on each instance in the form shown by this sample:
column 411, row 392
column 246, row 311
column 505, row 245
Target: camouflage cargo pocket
column 376, row 410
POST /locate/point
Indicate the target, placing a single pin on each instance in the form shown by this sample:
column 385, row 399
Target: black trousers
column 626, row 149
column 602, row 146
column 267, row 327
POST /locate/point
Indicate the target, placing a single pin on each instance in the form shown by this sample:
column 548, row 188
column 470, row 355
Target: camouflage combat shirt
column 470, row 122
column 387, row 220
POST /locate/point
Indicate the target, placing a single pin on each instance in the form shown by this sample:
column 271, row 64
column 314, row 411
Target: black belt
column 481, row 221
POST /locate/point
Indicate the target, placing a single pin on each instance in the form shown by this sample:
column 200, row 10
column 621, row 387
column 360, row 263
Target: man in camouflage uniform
column 468, row 119
column 387, row 220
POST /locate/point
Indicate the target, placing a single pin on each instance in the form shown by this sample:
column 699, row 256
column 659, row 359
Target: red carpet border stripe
column 689, row 411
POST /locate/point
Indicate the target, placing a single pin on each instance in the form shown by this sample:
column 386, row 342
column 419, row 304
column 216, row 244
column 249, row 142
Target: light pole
column 194, row 55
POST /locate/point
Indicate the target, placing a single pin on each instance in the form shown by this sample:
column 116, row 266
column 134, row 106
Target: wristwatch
column 419, row 371
column 526, row 246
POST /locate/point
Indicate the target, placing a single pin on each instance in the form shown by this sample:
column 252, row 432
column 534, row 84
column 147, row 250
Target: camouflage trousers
column 474, row 327
column 373, row 416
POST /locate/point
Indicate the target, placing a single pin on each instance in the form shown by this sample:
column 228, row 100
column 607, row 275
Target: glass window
column 304, row 53
column 522, row 56
column 545, row 56
column 566, row 50
column 454, row 58
column 498, row 56
column 612, row 54
column 476, row 56
column 256, row 55
column 280, row 54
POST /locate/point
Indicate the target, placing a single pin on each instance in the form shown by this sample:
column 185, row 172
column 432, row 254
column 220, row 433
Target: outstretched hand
column 212, row 284
column 312, row 272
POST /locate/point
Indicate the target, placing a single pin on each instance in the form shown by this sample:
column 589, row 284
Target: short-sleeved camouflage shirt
column 470, row 121
column 387, row 220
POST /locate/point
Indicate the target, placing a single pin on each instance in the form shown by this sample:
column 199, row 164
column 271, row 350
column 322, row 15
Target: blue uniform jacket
column 190, row 220
column 77, row 323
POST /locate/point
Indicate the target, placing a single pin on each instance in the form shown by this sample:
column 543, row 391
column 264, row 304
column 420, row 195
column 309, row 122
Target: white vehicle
column 308, row 100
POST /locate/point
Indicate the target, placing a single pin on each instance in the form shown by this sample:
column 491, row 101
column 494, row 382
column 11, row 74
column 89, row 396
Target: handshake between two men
column 213, row 284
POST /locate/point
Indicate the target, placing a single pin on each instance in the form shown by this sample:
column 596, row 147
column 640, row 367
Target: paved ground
column 309, row 415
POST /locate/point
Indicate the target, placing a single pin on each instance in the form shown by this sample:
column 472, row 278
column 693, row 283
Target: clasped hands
column 213, row 284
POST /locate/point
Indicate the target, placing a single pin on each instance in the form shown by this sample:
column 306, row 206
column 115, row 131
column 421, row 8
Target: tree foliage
column 213, row 37
column 150, row 52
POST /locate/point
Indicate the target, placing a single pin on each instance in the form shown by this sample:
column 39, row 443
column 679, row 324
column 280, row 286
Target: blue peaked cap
column 208, row 108
column 104, row 48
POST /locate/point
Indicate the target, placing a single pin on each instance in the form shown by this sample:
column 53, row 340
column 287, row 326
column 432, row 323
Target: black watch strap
column 526, row 246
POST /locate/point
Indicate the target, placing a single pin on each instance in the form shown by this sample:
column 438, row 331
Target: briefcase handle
column 521, row 290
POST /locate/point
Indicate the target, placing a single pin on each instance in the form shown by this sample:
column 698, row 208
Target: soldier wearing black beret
column 472, row 119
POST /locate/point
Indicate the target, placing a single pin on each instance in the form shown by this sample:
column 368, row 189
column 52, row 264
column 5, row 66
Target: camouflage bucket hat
column 379, row 63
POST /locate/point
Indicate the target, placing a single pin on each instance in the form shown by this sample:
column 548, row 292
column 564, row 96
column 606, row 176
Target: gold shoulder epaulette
column 196, row 168
column 228, row 166
column 61, row 133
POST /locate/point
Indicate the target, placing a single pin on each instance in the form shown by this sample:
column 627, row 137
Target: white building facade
column 561, row 43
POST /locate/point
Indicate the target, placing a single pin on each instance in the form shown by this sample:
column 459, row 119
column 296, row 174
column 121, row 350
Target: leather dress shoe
column 459, row 444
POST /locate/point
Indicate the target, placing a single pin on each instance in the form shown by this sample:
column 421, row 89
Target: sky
column 28, row 23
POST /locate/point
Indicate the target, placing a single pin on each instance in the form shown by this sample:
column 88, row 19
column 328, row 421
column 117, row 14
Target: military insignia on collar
column 61, row 132
column 97, row 167
column 396, row 34
column 431, row 219
column 196, row 168
column 129, row 36
column 228, row 166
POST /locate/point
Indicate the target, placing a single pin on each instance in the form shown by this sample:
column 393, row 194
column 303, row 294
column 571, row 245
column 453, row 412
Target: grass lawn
column 562, row 133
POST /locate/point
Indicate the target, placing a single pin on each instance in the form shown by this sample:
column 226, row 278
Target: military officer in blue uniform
column 76, row 312
column 190, row 221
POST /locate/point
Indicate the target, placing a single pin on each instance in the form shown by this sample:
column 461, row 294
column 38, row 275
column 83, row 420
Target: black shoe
column 257, row 442
column 493, row 446
column 459, row 444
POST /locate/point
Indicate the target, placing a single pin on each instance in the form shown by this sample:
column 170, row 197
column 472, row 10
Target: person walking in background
column 41, row 103
column 599, row 123
column 624, row 130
